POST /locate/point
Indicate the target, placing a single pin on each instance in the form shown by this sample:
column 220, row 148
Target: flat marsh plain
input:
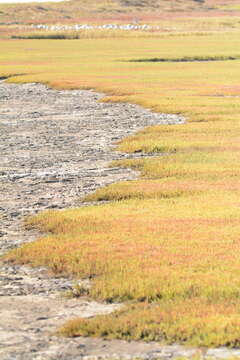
column 168, row 243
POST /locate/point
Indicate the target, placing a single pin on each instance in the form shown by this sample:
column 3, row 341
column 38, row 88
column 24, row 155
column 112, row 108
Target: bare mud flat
column 55, row 147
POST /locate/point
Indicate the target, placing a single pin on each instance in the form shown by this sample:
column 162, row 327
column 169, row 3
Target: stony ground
column 55, row 147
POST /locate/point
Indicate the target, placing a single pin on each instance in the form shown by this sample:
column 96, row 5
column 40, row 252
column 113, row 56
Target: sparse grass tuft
column 189, row 59
column 48, row 35
column 85, row 34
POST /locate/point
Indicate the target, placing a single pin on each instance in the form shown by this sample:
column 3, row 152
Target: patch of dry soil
column 55, row 147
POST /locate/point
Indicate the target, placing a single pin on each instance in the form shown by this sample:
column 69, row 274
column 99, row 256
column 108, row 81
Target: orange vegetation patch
column 201, row 322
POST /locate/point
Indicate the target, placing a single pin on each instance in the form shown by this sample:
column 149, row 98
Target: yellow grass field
column 168, row 244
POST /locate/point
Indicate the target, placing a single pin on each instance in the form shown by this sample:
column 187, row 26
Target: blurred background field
column 162, row 15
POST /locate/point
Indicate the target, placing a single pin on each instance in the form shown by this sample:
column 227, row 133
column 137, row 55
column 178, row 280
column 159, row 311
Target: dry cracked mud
column 55, row 147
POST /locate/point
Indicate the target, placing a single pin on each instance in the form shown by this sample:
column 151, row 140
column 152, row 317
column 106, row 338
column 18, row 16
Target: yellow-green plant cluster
column 169, row 244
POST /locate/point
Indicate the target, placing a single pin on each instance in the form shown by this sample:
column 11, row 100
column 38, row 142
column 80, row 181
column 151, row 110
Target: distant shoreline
column 26, row 1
